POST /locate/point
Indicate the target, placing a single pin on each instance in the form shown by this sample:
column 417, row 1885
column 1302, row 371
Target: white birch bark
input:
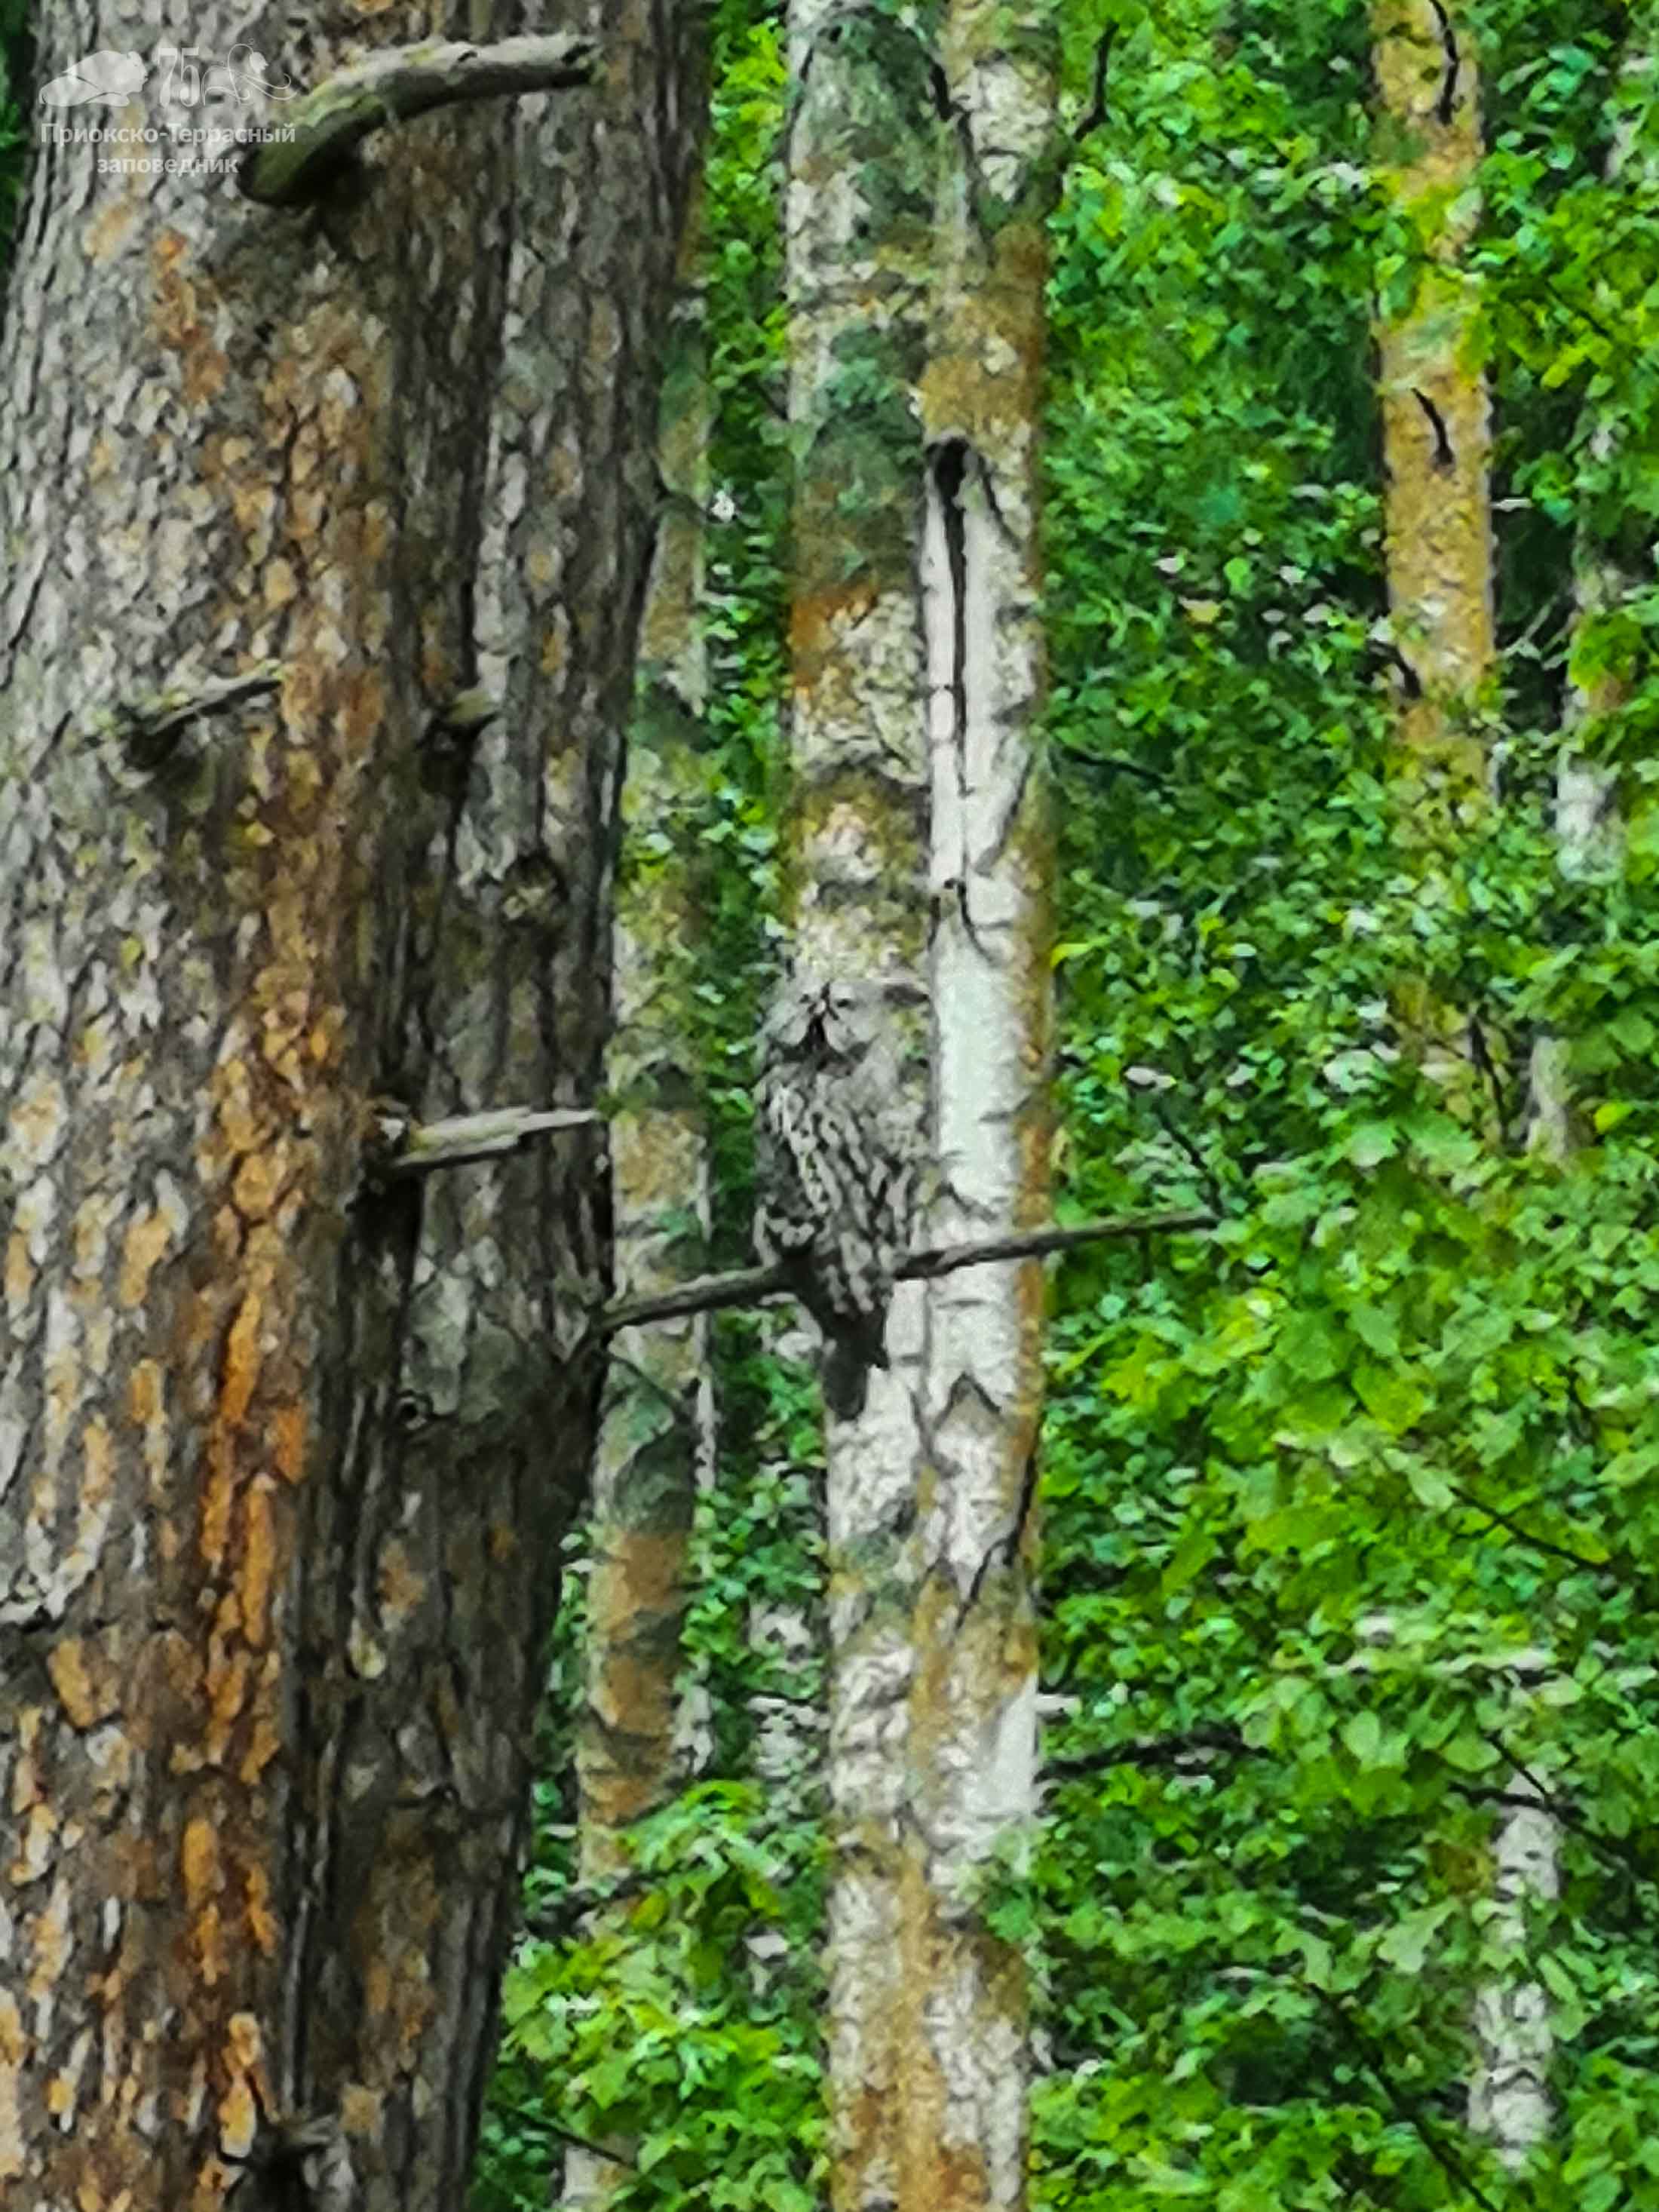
column 973, row 1699
column 859, row 221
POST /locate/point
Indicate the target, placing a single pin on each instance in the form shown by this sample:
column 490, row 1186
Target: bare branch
column 752, row 1286
column 321, row 132
column 1197, row 1748
column 463, row 1138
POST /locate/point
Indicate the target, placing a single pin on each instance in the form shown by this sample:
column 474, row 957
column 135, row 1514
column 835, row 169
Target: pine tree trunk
column 271, row 1630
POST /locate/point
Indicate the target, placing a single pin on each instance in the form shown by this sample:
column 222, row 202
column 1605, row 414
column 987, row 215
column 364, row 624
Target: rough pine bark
column 285, row 1454
column 863, row 153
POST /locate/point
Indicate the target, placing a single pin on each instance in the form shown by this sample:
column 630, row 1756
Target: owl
column 836, row 1180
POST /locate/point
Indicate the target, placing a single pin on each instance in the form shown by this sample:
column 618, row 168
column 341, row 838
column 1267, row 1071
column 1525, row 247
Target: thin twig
column 753, row 1286
column 534, row 2116
column 1530, row 1537
column 1195, row 1748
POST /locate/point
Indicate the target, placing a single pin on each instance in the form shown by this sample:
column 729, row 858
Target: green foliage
column 1323, row 1492
column 15, row 56
column 647, row 2032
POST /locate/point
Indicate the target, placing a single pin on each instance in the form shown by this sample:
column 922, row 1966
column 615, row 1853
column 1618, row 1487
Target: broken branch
column 422, row 1147
column 322, row 131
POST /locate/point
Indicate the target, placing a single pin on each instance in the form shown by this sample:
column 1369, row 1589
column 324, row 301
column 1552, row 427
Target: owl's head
column 824, row 1020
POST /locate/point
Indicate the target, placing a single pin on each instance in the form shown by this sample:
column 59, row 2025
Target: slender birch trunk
column 1436, row 417
column 972, row 1705
column 863, row 153
column 1588, row 831
column 656, row 1440
column 1509, row 2098
column 1436, row 456
column 271, row 1630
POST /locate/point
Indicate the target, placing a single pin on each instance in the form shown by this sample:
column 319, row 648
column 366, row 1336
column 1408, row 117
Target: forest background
column 1318, row 1491
column 1349, row 1508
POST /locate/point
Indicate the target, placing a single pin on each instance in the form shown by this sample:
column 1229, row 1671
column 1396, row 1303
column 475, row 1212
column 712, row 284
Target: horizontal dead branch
column 1198, row 1747
column 752, row 1286
column 418, row 1148
column 321, row 132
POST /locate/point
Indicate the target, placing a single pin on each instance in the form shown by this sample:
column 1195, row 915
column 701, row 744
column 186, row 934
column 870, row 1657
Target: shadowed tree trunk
column 271, row 1625
column 656, row 1438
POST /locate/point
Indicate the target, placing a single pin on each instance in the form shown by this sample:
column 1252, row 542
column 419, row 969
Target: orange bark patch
column 288, row 1441
column 98, row 1468
column 198, row 1861
column 262, row 1923
column 241, row 1367
column 146, row 1239
column 19, row 1272
column 178, row 322
column 73, row 1680
column 144, row 1393
column 818, row 620
column 12, row 2046
column 37, row 1118
column 258, row 1182
column 49, row 1932
column 258, row 1564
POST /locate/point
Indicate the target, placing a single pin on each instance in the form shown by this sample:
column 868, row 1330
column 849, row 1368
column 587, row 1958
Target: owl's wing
column 786, row 1221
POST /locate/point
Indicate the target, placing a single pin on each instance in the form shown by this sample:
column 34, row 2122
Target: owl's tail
column 846, row 1378
column 848, row 1355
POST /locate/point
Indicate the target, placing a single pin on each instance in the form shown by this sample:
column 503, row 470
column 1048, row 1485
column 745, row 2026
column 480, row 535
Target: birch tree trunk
column 271, row 1644
column 1509, row 2098
column 1436, row 456
column 656, row 1440
column 863, row 153
column 1437, row 418
column 1589, row 834
column 973, row 1708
